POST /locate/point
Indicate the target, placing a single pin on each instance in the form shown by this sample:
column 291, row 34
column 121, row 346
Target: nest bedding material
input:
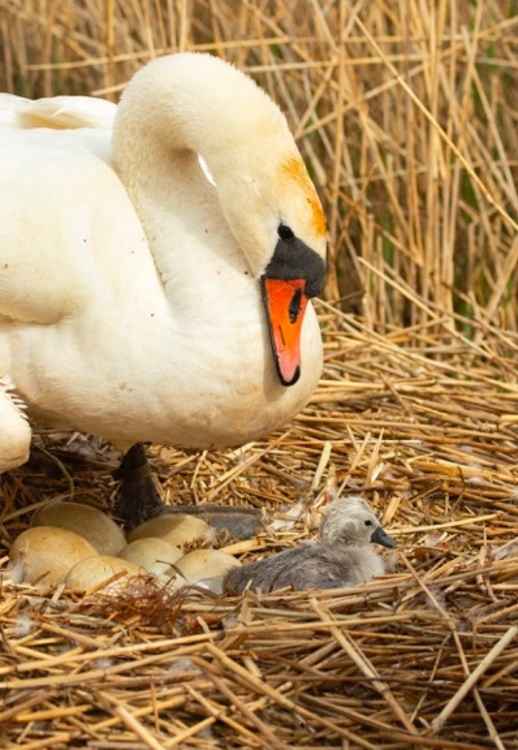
column 420, row 422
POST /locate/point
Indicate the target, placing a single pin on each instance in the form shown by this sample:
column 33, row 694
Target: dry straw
column 425, row 657
column 405, row 115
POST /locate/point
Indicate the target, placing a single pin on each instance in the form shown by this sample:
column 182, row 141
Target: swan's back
column 56, row 151
column 56, row 113
column 77, row 122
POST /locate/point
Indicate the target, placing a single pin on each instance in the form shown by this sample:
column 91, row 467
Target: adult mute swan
column 138, row 301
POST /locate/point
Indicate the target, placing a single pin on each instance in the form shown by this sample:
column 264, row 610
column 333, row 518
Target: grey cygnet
column 341, row 558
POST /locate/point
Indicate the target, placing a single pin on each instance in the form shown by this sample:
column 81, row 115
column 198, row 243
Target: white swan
column 131, row 289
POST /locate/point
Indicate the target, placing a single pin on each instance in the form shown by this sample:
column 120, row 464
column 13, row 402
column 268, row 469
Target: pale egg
column 100, row 530
column 206, row 567
column 46, row 554
column 93, row 571
column 154, row 555
column 176, row 528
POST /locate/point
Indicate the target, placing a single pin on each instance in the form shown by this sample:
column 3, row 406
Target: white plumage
column 130, row 304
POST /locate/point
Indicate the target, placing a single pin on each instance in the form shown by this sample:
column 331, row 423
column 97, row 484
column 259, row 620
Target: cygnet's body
column 342, row 558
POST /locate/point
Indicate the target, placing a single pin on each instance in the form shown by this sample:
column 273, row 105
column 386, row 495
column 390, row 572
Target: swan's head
column 274, row 212
column 351, row 521
column 266, row 195
column 198, row 103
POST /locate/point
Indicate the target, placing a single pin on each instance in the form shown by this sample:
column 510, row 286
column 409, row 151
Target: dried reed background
column 405, row 115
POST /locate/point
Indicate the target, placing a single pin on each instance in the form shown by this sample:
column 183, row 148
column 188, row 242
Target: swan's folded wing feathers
column 56, row 113
column 56, row 226
column 40, row 268
column 42, row 274
column 10, row 107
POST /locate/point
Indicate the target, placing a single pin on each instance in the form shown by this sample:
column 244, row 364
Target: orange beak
column 285, row 302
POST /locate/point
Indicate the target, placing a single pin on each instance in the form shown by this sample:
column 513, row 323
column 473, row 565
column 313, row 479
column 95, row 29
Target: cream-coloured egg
column 94, row 570
column 93, row 524
column 201, row 564
column 46, row 554
column 176, row 528
column 153, row 554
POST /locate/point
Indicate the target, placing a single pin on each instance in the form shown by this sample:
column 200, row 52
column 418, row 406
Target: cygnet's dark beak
column 380, row 536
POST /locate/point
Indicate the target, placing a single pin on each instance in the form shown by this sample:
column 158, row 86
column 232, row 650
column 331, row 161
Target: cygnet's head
column 350, row 521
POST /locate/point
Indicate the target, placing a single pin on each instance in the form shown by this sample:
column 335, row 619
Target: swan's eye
column 285, row 232
column 368, row 523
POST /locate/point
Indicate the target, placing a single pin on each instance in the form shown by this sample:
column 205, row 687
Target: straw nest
column 423, row 424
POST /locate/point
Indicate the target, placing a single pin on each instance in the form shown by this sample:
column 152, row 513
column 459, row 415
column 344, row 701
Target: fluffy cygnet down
column 343, row 556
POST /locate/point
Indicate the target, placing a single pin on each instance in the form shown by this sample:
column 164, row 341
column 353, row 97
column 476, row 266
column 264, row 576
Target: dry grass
column 426, row 657
column 404, row 112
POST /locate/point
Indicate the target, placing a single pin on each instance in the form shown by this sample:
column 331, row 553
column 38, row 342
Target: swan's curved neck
column 173, row 110
column 192, row 103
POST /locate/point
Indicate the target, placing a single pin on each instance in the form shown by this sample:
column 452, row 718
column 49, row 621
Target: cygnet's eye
column 285, row 232
column 368, row 523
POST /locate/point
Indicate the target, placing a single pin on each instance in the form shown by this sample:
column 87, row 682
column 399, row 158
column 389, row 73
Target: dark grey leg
column 138, row 499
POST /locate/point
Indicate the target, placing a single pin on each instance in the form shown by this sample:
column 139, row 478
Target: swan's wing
column 65, row 221
column 10, row 106
column 80, row 122
column 56, row 113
